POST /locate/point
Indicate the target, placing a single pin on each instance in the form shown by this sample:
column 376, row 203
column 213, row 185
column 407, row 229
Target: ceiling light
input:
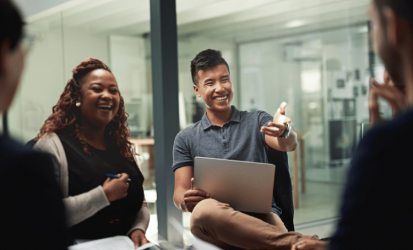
column 295, row 23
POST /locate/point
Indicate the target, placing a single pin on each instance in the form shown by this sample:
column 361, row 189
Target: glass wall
column 314, row 55
column 113, row 31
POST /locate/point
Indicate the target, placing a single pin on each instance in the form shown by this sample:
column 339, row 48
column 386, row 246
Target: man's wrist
column 287, row 132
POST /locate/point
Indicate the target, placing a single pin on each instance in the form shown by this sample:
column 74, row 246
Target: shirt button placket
column 225, row 138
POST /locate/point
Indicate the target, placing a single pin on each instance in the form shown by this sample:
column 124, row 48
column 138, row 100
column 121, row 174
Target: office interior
column 315, row 55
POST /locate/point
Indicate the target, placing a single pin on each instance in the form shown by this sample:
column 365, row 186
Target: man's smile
column 221, row 98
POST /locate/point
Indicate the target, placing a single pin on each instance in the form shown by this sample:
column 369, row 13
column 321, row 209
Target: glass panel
column 42, row 81
column 113, row 31
column 311, row 54
column 116, row 32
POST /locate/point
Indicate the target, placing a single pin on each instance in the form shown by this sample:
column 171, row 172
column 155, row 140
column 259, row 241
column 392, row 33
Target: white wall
column 42, row 80
column 55, row 53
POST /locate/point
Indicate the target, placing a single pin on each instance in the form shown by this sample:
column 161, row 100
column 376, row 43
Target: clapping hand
column 279, row 124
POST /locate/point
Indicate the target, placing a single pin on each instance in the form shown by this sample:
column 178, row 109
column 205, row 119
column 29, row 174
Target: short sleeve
column 263, row 119
column 181, row 152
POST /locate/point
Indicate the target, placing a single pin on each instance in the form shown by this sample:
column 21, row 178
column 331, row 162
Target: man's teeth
column 221, row 98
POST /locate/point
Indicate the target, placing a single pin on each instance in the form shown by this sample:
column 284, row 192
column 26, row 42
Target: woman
column 88, row 136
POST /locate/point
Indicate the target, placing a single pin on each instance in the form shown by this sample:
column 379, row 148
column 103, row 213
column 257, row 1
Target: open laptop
column 245, row 186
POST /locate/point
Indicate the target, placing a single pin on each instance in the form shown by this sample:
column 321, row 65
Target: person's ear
column 196, row 89
column 396, row 27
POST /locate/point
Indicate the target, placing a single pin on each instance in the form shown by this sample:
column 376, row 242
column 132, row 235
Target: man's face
column 387, row 51
column 12, row 63
column 215, row 88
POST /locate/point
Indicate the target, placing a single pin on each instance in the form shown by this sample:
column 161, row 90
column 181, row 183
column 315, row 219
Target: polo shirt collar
column 235, row 118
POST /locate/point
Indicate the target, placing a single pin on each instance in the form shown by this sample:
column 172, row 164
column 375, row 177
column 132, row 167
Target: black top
column 87, row 171
column 31, row 207
column 376, row 211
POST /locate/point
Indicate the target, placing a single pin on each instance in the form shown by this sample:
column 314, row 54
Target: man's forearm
column 179, row 200
column 283, row 144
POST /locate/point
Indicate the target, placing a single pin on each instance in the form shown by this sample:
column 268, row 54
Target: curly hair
column 65, row 113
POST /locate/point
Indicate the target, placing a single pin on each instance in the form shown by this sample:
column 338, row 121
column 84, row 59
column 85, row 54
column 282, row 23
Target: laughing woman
column 87, row 135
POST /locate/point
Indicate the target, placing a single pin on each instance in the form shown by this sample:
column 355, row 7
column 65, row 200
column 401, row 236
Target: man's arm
column 183, row 178
column 185, row 197
column 282, row 144
column 278, row 127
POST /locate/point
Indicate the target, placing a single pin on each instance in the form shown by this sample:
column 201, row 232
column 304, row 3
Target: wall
column 56, row 51
column 33, row 7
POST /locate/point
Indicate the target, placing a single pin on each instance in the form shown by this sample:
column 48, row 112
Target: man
column 31, row 208
column 376, row 212
column 225, row 132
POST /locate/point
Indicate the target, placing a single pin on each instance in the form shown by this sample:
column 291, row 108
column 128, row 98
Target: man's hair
column 206, row 59
column 403, row 8
column 11, row 24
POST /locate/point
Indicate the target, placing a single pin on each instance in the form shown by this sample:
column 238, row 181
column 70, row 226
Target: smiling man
column 227, row 133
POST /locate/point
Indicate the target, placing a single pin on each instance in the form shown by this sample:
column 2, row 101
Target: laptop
column 245, row 186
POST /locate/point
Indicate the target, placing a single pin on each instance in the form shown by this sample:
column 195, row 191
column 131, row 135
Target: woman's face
column 100, row 98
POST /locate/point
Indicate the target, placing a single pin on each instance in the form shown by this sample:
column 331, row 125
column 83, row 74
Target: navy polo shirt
column 238, row 139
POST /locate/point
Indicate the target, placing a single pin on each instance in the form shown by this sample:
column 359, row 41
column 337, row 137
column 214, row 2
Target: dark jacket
column 31, row 207
column 377, row 206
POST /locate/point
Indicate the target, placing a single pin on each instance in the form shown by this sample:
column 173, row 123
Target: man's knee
column 205, row 212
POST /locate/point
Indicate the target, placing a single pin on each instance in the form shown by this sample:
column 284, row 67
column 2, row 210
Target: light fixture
column 295, row 23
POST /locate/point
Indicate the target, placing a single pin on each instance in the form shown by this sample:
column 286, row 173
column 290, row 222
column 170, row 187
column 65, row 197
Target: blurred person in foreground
column 31, row 208
column 88, row 137
column 376, row 211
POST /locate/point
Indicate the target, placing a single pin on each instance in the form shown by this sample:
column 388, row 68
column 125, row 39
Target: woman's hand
column 116, row 189
column 138, row 237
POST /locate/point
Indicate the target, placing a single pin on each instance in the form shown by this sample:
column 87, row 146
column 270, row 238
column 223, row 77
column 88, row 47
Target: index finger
column 197, row 192
column 124, row 176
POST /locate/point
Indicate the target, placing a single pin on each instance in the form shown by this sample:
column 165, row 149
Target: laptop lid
column 245, row 186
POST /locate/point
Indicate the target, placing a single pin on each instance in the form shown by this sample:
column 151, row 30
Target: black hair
column 11, row 24
column 206, row 59
column 403, row 8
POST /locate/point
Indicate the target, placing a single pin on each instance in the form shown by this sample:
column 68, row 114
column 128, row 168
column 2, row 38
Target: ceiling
column 236, row 20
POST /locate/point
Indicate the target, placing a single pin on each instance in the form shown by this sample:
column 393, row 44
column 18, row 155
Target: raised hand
column 116, row 189
column 393, row 95
column 193, row 196
column 279, row 124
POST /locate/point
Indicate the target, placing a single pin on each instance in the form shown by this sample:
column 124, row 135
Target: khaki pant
column 222, row 226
